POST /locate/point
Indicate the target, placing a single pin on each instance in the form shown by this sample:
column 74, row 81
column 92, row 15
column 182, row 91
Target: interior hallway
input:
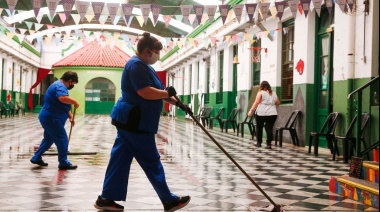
column 193, row 164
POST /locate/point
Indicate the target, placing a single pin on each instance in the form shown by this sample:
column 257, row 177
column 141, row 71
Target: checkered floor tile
column 193, row 163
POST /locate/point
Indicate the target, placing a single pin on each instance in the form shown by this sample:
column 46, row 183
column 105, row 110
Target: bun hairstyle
column 149, row 42
column 70, row 75
column 264, row 85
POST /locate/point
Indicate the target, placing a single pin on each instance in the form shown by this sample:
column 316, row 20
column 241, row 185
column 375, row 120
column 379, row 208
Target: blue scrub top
column 53, row 108
column 138, row 75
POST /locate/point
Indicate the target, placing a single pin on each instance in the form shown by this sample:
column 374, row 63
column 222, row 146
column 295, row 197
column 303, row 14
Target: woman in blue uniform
column 136, row 116
column 53, row 116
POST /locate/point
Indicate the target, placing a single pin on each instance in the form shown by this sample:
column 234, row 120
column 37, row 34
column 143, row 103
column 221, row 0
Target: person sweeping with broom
column 53, row 116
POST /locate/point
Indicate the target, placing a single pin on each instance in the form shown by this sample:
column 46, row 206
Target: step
column 357, row 189
column 370, row 171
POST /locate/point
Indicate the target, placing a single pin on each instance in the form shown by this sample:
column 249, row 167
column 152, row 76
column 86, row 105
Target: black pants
column 267, row 122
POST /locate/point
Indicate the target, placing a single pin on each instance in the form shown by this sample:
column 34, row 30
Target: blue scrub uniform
column 53, row 117
column 138, row 143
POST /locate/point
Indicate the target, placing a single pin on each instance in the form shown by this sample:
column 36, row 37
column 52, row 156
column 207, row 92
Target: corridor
column 194, row 166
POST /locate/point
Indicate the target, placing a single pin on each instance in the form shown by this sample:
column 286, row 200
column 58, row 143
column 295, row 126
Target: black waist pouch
column 133, row 121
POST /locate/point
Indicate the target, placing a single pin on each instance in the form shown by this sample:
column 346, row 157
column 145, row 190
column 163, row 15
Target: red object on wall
column 9, row 97
column 41, row 74
column 376, row 154
column 162, row 76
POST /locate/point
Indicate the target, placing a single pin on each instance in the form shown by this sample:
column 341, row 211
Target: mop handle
column 71, row 128
column 229, row 156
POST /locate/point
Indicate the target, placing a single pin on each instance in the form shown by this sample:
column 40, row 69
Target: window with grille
column 256, row 66
column 219, row 94
column 287, row 62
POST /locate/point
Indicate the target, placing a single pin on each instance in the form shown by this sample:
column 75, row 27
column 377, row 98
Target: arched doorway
column 100, row 96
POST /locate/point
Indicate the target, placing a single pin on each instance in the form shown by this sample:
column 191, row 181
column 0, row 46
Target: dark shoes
column 71, row 166
column 40, row 163
column 177, row 204
column 268, row 147
column 257, row 145
column 107, row 205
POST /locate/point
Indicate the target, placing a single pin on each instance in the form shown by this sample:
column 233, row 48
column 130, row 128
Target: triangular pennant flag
column 211, row 9
column 192, row 18
column 50, row 18
column 112, row 10
column 36, row 6
column 238, row 10
column 198, row 10
column 293, row 5
column 77, row 32
column 57, row 40
column 185, row 9
column 89, row 17
column 273, row 11
column 250, row 10
column 130, row 20
column 28, row 24
column 87, row 33
column 127, row 11
column 48, row 37
column 82, row 7
column 98, row 9
column 234, row 38
column 156, row 10
column 145, row 11
column 62, row 16
column 10, row 35
column 116, row 20
column 318, row 6
column 350, row 4
column 178, row 17
column 140, row 19
column 49, row 26
column 204, row 18
column 31, row 32
column 167, row 19
column 342, row 4
column 76, row 18
column 39, row 17
column 11, row 15
column 67, row 7
column 20, row 37
column 37, row 26
column 11, row 5
column 224, row 9
column 103, row 19
column 52, row 5
column 22, row 31
column 68, row 32
column 305, row 6
column 280, row 7
column 264, row 8
column 329, row 5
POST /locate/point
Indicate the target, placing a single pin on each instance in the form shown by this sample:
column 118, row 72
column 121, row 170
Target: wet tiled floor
column 194, row 166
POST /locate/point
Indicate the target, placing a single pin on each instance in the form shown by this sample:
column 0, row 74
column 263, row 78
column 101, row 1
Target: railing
column 359, row 111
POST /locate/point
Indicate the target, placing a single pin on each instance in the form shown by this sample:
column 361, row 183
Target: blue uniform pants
column 143, row 148
column 54, row 132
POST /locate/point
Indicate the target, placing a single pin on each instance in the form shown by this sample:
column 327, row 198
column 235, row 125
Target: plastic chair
column 291, row 127
column 206, row 116
column 218, row 117
column 231, row 119
column 251, row 126
column 200, row 113
column 327, row 131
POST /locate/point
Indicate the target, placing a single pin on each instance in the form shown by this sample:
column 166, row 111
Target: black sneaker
column 177, row 204
column 71, row 166
column 108, row 205
column 40, row 163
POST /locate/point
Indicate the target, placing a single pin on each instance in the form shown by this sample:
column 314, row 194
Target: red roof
column 93, row 54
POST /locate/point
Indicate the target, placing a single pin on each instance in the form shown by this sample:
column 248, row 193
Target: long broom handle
column 71, row 128
column 228, row 155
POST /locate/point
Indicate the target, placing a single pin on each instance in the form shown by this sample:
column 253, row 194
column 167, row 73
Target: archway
column 99, row 96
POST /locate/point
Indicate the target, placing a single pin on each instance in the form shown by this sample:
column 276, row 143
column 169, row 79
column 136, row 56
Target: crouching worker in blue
column 53, row 116
column 136, row 117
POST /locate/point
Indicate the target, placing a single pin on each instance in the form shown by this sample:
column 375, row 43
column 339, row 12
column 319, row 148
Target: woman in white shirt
column 266, row 113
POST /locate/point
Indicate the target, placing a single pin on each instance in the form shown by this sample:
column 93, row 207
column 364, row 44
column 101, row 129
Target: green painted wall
column 86, row 74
